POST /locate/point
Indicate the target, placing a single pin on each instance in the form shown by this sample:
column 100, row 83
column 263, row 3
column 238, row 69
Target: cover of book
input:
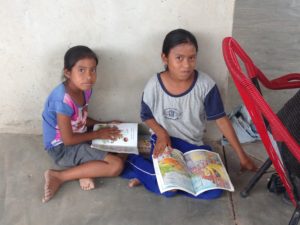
column 126, row 143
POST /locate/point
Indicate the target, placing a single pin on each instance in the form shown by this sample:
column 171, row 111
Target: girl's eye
column 81, row 70
column 94, row 70
column 180, row 58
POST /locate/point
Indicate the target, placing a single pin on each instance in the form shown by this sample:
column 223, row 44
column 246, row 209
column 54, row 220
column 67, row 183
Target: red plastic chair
column 247, row 82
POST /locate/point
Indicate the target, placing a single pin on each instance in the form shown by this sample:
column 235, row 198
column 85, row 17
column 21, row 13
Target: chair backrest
column 261, row 113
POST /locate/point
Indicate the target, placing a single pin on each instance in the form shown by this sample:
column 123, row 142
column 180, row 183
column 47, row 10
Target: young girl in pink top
column 65, row 122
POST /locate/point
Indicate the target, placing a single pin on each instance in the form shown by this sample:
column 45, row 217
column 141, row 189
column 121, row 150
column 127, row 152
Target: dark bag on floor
column 275, row 185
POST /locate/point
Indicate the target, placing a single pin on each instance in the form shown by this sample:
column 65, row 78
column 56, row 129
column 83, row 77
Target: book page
column 126, row 143
column 207, row 171
column 171, row 172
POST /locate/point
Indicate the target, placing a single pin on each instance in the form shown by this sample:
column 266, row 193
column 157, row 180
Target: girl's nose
column 89, row 75
column 186, row 63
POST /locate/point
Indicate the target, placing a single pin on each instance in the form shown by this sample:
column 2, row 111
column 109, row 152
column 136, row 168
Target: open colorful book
column 126, row 143
column 195, row 171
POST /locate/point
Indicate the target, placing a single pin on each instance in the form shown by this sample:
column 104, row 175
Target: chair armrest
column 287, row 81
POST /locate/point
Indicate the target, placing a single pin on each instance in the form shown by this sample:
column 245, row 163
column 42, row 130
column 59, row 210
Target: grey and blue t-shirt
column 183, row 116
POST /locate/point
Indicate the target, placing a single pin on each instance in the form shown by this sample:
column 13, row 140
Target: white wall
column 127, row 35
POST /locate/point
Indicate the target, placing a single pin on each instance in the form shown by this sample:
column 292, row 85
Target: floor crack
column 230, row 194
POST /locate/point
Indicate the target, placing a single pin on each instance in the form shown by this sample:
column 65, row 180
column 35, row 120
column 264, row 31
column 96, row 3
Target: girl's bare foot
column 86, row 184
column 134, row 182
column 52, row 184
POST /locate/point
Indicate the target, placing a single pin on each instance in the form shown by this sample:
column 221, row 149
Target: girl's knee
column 117, row 167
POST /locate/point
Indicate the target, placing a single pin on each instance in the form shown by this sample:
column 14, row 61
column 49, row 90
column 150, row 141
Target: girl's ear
column 164, row 58
column 67, row 73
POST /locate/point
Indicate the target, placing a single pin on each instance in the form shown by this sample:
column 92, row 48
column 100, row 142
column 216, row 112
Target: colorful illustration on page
column 169, row 163
column 207, row 168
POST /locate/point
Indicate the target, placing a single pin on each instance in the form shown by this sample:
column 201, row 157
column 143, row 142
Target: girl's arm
column 226, row 128
column 91, row 122
column 71, row 138
column 163, row 139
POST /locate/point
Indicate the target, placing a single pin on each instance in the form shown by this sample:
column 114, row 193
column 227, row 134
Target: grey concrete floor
column 23, row 162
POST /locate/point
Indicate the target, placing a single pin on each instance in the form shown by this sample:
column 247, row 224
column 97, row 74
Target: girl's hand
column 248, row 164
column 111, row 133
column 163, row 141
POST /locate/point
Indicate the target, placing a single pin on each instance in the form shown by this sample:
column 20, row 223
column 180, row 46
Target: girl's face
column 181, row 61
column 83, row 74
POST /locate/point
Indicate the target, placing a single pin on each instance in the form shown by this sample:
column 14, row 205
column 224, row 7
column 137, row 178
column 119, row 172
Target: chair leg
column 296, row 216
column 256, row 178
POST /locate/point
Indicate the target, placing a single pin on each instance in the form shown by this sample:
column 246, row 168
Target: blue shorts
column 74, row 155
column 141, row 168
